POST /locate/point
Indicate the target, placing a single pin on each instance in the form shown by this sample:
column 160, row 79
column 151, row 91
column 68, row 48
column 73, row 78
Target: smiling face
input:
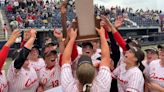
column 50, row 59
column 34, row 52
column 87, row 50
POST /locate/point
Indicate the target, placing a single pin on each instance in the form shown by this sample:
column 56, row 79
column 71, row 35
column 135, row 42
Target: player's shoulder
column 42, row 70
column 41, row 60
column 154, row 62
column 136, row 71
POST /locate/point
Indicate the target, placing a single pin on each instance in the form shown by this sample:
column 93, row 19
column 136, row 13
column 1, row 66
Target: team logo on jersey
column 30, row 82
column 154, row 76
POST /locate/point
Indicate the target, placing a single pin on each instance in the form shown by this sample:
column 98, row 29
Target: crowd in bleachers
column 37, row 14
column 42, row 14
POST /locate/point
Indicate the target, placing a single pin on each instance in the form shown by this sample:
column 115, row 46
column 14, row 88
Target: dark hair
column 141, row 67
column 139, row 54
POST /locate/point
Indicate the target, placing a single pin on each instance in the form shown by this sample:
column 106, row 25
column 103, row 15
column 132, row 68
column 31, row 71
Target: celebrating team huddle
column 88, row 69
column 108, row 63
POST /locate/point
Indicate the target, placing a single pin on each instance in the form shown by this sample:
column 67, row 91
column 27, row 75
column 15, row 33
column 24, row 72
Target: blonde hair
column 85, row 74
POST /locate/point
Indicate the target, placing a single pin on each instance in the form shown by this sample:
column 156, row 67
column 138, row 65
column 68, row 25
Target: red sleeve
column 22, row 43
column 73, row 56
column 60, row 60
column 74, row 52
column 3, row 55
column 120, row 40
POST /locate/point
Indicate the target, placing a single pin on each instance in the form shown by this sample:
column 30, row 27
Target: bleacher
column 48, row 16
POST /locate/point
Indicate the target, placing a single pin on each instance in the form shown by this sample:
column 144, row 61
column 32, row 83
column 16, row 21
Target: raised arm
column 115, row 55
column 20, row 59
column 74, row 50
column 105, row 52
column 66, row 59
column 26, row 36
column 58, row 34
column 6, row 47
column 119, row 39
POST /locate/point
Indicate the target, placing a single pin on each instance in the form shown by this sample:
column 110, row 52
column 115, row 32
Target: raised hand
column 73, row 34
column 101, row 31
column 15, row 34
column 26, row 35
column 33, row 33
column 58, row 34
column 106, row 21
column 119, row 22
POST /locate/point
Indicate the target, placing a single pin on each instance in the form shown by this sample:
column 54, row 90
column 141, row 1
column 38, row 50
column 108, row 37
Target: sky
column 136, row 4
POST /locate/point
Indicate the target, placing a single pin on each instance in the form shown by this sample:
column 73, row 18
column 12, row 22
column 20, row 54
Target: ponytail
column 141, row 67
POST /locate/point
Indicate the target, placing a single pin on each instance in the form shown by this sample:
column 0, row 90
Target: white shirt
column 23, row 80
column 101, row 83
column 37, row 65
column 16, row 3
column 3, row 82
column 50, row 78
column 129, row 80
column 155, row 72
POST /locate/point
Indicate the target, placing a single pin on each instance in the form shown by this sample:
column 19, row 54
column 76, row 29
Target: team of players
column 92, row 70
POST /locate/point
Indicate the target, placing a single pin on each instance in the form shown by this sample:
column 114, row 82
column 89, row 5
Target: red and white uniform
column 129, row 80
column 3, row 82
column 144, row 62
column 37, row 65
column 23, row 80
column 50, row 78
column 155, row 72
column 101, row 83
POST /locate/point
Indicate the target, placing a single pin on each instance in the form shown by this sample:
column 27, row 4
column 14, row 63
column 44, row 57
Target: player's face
column 87, row 51
column 151, row 55
column 50, row 59
column 161, row 54
column 34, row 52
column 130, row 57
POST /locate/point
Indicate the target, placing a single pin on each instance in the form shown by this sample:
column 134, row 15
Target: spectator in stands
column 9, row 8
column 19, row 19
column 14, row 24
column 5, row 30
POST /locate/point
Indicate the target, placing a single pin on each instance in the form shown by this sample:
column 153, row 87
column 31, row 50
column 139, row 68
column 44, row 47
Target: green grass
column 7, row 64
